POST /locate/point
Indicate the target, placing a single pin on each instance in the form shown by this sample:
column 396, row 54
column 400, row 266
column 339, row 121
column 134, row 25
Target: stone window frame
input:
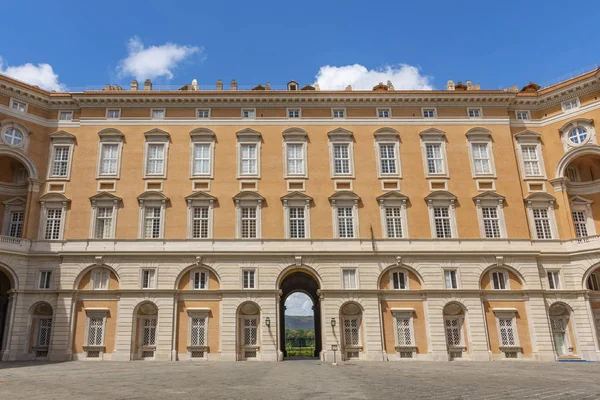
column 110, row 137
column 380, row 109
column 481, row 136
column 202, row 109
column 112, row 109
column 575, row 104
column 105, row 284
column 295, row 136
column 356, row 278
column 156, row 137
column 164, row 110
column 479, row 109
column 244, row 199
column 152, row 198
column 338, row 109
column 490, row 199
column 456, row 275
column 202, row 136
column 104, row 199
column 508, row 313
column 193, row 313
column 434, row 136
column 95, row 313
column 402, row 271
column 200, row 199
column 154, row 282
column 552, row 272
column 344, row 137
column 61, row 112
column 52, row 201
column 393, row 199
column 60, row 139
column 521, row 113
column 505, row 275
column 293, row 109
column 248, row 136
column 248, row 110
column 14, row 102
column 542, row 201
column 530, row 138
column 199, row 270
column 296, row 199
column 587, row 124
column 345, row 198
column 442, row 198
column 6, row 125
column 388, row 136
column 404, row 313
column 578, row 203
column 15, row 204
column 40, row 273
column 255, row 275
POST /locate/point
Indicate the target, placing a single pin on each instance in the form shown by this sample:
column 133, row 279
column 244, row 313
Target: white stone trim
column 193, row 203
column 68, row 143
column 581, row 204
column 549, row 206
column 529, row 138
column 305, row 203
column 434, row 136
column 300, row 140
column 401, row 203
column 156, row 137
column 341, row 137
column 431, row 204
column 345, row 203
column 395, row 142
column 239, row 204
column 481, row 136
column 97, row 203
column 199, row 138
column 491, row 203
column 248, row 138
column 109, row 140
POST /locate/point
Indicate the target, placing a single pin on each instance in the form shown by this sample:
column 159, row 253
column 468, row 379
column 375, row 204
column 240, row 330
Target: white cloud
column 154, row 61
column 298, row 304
column 403, row 76
column 41, row 75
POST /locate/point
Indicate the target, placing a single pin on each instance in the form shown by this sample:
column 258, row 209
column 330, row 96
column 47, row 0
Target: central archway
column 300, row 281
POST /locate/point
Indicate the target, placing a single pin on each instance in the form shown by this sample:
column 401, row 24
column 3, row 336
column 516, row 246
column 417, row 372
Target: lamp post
column 334, row 348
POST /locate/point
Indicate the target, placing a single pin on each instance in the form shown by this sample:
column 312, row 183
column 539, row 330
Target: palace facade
column 146, row 224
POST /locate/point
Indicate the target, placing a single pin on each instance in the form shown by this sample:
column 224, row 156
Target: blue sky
column 415, row 44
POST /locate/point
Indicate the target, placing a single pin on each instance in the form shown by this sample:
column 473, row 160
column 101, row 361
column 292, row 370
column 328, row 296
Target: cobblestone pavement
column 306, row 379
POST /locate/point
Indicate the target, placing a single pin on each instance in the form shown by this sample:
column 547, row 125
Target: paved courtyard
column 306, row 379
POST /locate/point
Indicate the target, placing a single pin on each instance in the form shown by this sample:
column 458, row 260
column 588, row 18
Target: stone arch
column 563, row 328
column 41, row 303
column 410, row 269
column 248, row 330
column 455, row 315
column 89, row 268
column 11, row 275
column 588, row 272
column 510, row 269
column 352, row 331
column 145, row 330
column 298, row 268
column 191, row 267
column 564, row 162
column 32, row 170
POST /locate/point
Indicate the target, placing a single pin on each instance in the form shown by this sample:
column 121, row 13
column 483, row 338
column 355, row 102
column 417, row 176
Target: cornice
column 555, row 97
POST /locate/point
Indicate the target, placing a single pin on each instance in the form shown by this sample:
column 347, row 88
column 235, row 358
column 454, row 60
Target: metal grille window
column 491, row 222
column 531, row 160
column 404, row 331
column 450, row 279
column 44, row 331
column 248, row 159
column 297, row 223
column 435, row 160
column 108, row 159
column 592, row 282
column 202, row 159
column 345, row 221
column 200, row 280
column 387, row 155
column 250, row 331
column 95, row 331
column 148, row 331
column 156, row 159
column 441, row 217
column 148, row 277
column 248, row 278
column 349, row 276
column 248, row 222
column 541, row 220
column 399, row 280
column 580, row 222
column 104, row 221
column 15, row 227
column 152, row 222
column 507, row 331
column 198, row 331
column 53, row 223
column 341, row 159
column 553, row 279
column 393, row 222
column 60, row 161
column 45, row 281
column 352, row 331
column 481, row 158
column 453, row 334
column 100, row 280
column 498, row 280
column 295, row 159
column 200, row 223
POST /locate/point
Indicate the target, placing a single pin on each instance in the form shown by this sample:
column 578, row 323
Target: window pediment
column 478, row 132
column 295, row 133
column 433, row 134
column 54, row 198
column 202, row 133
column 248, row 134
column 528, row 136
column 392, row 196
column 540, row 197
column 157, row 134
column 386, row 133
column 248, row 195
column 344, row 195
column 340, row 134
column 580, row 200
column 104, row 196
column 62, row 136
column 296, row 196
column 111, row 133
column 200, row 197
column 489, row 196
column 152, row 195
column 15, row 201
column 442, row 195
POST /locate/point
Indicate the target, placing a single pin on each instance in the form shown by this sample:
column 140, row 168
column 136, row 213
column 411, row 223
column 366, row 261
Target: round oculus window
column 578, row 135
column 13, row 137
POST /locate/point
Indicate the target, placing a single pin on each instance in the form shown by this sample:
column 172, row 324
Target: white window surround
column 155, row 113
column 295, row 136
column 530, row 138
column 554, row 278
column 248, row 113
column 18, row 105
column 477, row 112
column 541, row 201
column 344, row 137
column 296, row 199
column 152, row 198
column 65, row 115
column 10, row 125
column 156, row 137
column 104, row 199
column 436, row 137
column 89, row 343
column 490, row 199
column 45, row 279
column 404, row 344
column 582, row 204
column 426, row 112
column 345, row 198
column 393, row 199
column 44, row 331
column 570, row 105
column 581, row 125
column 60, row 139
column 202, row 136
column 153, row 278
column 338, row 112
column 110, row 137
column 349, row 278
column 442, row 198
column 204, row 111
column 405, row 274
column 199, row 271
column 461, row 336
column 52, row 201
column 111, row 112
column 248, row 136
column 522, row 115
column 447, row 276
column 381, row 112
column 250, row 199
column 199, row 313
column 481, row 136
column 15, row 204
column 200, row 199
column 291, row 112
column 508, row 314
column 100, row 279
column 388, row 136
column 252, row 278
column 505, row 277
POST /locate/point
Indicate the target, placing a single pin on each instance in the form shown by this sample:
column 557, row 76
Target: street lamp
column 334, row 348
column 333, row 322
column 268, row 322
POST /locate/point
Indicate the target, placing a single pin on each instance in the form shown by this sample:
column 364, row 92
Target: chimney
column 195, row 85
column 234, row 85
column 450, row 85
column 220, row 84
column 133, row 85
column 147, row 84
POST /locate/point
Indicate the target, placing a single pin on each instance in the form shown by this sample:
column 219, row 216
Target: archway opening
column 299, row 310
column 5, row 286
column 13, row 196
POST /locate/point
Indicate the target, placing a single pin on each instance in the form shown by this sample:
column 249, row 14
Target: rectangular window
column 200, row 280
column 19, row 106
column 45, row 280
column 95, row 331
column 341, row 159
column 435, row 159
column 383, row 113
column 450, row 279
column 474, row 112
column 148, row 277
column 198, row 331
column 65, row 116
column 15, row 227
column 248, row 222
column 148, row 331
column 592, row 282
column 345, row 221
column 339, row 113
column 250, row 331
column 202, row 159
column 248, row 277
column 491, row 222
column 104, row 221
column 156, row 159
column 100, row 279
column 573, row 173
column 481, row 158
column 113, row 114
column 60, row 161
column 152, row 222
column 44, row 331
column 249, row 113
column 200, row 223
column 522, row 115
column 507, row 331
column 295, row 159
column 553, row 279
column 109, row 157
column 297, row 223
column 203, row 114
column 399, row 281
column 404, row 331
column 498, row 281
column 570, row 105
column 531, row 160
column 53, row 223
column 294, row 113
column 580, row 222
column 349, row 278
column 393, row 222
column 158, row 113
column 248, row 159
column 541, row 220
column 387, row 158
column 428, row 113
column 453, row 334
column 441, row 217
column 352, row 331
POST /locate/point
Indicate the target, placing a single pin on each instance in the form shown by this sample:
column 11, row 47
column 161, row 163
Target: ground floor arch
column 5, row 287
